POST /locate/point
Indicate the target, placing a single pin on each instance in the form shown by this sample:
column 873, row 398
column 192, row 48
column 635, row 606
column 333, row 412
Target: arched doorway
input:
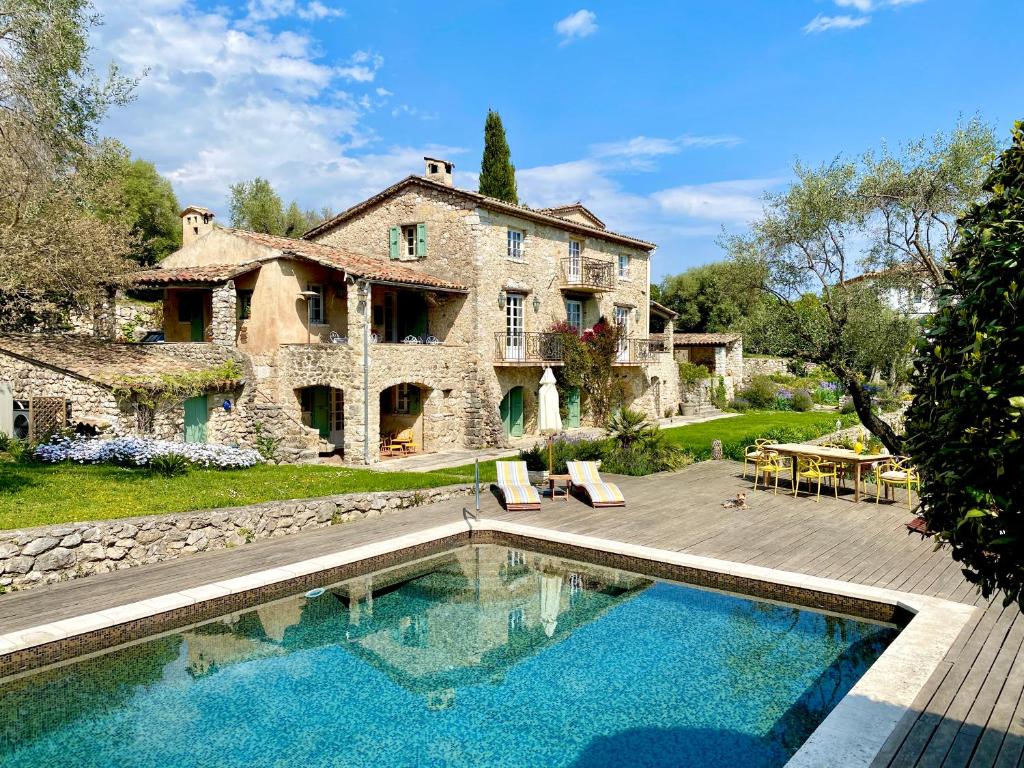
column 512, row 412
column 323, row 409
column 401, row 415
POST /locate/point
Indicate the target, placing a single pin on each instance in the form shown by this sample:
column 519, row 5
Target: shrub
column 19, row 450
column 653, row 453
column 827, row 393
column 5, row 440
column 139, row 452
column 691, row 374
column 627, row 427
column 760, row 393
column 739, row 404
column 719, row 397
column 266, row 443
column 563, row 449
column 802, row 400
column 169, row 465
column 847, row 406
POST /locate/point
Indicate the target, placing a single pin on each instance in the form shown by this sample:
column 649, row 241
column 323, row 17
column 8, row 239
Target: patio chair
column 770, row 463
column 814, row 468
column 514, row 486
column 584, row 474
column 337, row 338
column 753, row 452
column 896, row 472
column 406, row 441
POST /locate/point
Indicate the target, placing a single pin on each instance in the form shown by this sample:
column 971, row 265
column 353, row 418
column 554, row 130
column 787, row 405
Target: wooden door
column 572, row 405
column 512, row 412
column 196, row 415
column 320, row 412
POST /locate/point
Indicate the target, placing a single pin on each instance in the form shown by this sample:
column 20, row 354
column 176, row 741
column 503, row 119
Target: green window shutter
column 395, row 237
column 421, row 240
column 415, row 403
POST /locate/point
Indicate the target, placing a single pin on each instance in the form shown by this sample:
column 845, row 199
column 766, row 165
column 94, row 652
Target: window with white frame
column 409, row 240
column 402, row 398
column 515, row 244
column 317, row 315
column 624, row 266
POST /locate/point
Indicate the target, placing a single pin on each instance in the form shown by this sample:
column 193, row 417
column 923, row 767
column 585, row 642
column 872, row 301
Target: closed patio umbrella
column 550, row 601
column 548, row 417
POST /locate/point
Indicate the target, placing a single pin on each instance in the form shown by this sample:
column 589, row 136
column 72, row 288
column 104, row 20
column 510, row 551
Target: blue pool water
column 485, row 656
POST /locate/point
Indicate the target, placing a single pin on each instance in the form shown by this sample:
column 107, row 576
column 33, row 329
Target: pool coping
column 851, row 735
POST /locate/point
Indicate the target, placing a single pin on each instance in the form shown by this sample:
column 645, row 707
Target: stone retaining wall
column 55, row 553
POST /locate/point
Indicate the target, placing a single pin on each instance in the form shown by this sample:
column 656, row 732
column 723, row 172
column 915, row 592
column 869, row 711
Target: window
column 316, row 305
column 515, row 245
column 575, row 248
column 624, row 266
column 244, row 301
column 516, row 620
column 409, row 241
column 574, row 313
column 575, row 270
column 402, row 398
column 622, row 318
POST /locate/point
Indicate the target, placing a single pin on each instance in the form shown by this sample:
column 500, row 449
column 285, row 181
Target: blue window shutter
column 421, row 240
column 395, row 236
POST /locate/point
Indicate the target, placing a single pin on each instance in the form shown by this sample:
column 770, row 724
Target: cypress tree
column 497, row 174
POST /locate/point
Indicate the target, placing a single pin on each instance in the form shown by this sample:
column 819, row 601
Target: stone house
column 424, row 307
column 721, row 353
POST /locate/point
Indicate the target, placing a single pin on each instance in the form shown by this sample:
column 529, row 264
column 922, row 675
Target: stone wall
column 124, row 319
column 88, row 400
column 769, row 366
column 61, row 552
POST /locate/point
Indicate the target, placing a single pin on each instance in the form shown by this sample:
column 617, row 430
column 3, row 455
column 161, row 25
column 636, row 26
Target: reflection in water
column 481, row 656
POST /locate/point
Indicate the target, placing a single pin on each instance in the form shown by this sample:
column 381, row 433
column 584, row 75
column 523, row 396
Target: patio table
column 842, row 456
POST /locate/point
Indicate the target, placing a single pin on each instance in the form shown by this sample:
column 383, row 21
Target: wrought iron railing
column 585, row 273
column 636, row 352
column 659, row 342
column 528, row 347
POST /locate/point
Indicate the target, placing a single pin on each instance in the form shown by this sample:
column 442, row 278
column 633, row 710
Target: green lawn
column 739, row 431
column 40, row 494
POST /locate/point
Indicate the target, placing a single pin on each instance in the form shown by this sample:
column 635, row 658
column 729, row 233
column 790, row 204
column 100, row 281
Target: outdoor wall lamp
column 536, row 303
column 501, row 299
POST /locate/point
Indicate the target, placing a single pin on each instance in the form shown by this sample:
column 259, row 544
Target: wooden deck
column 969, row 715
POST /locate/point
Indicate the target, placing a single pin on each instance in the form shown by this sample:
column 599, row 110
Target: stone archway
column 404, row 409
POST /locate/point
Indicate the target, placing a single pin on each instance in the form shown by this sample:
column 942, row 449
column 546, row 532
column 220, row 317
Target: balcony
column 636, row 352
column 584, row 275
column 527, row 349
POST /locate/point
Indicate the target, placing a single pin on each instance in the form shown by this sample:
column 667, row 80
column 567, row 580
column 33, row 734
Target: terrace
column 968, row 713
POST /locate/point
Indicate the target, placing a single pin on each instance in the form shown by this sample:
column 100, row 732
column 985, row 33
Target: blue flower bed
column 138, row 452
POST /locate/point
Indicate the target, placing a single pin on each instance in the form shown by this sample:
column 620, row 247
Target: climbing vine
column 587, row 365
column 147, row 395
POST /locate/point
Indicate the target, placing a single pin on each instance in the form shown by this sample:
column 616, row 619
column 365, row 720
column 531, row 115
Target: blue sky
column 669, row 119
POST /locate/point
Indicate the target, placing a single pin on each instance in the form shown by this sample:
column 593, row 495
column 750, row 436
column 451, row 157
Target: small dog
column 740, row 502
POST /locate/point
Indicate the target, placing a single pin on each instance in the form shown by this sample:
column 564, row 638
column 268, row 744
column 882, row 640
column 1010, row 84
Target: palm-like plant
column 627, row 427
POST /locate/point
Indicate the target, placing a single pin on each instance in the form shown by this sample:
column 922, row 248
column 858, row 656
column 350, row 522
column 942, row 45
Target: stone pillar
column 104, row 315
column 224, row 314
column 355, row 402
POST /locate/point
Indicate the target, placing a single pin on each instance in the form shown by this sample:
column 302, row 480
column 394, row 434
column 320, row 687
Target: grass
column 740, row 431
column 44, row 494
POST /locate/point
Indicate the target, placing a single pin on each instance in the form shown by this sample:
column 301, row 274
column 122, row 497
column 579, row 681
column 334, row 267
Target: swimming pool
column 484, row 655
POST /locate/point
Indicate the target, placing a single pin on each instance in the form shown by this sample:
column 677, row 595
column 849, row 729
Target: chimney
column 439, row 171
column 196, row 221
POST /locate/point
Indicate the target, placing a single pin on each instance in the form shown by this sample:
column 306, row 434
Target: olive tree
column 966, row 424
column 894, row 211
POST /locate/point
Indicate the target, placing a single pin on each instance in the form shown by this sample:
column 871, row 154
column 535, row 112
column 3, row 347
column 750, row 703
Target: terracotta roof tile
column 211, row 273
column 94, row 359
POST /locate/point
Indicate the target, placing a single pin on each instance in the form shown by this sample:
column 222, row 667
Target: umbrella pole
column 551, row 466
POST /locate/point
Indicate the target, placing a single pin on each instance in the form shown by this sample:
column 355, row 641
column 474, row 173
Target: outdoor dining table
column 842, row 456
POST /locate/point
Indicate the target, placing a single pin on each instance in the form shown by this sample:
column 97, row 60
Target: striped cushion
column 583, row 472
column 520, row 494
column 604, row 493
column 512, row 473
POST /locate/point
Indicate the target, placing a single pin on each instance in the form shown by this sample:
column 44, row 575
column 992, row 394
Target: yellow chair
column 753, row 452
column 896, row 472
column 770, row 463
column 406, row 441
column 815, row 468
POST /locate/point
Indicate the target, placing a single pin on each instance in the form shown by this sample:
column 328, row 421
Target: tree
column 966, row 424
column 835, row 221
column 497, row 174
column 297, row 221
column 712, row 297
column 148, row 205
column 57, row 248
column 257, row 207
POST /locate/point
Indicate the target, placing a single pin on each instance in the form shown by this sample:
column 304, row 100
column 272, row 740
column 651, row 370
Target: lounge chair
column 584, row 474
column 515, row 488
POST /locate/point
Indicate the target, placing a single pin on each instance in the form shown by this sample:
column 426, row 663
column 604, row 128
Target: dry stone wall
column 56, row 553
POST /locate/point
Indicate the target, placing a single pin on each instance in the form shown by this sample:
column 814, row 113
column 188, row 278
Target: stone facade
column 61, row 552
column 770, row 366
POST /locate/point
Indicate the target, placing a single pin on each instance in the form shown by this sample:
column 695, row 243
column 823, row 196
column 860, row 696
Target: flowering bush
column 139, row 452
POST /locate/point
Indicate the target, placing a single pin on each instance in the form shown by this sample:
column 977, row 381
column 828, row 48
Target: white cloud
column 864, row 6
column 577, row 25
column 727, row 201
column 265, row 10
column 362, row 67
column 822, row 23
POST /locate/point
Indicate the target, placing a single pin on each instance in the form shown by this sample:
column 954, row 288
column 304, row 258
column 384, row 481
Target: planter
column 538, row 477
column 689, row 409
